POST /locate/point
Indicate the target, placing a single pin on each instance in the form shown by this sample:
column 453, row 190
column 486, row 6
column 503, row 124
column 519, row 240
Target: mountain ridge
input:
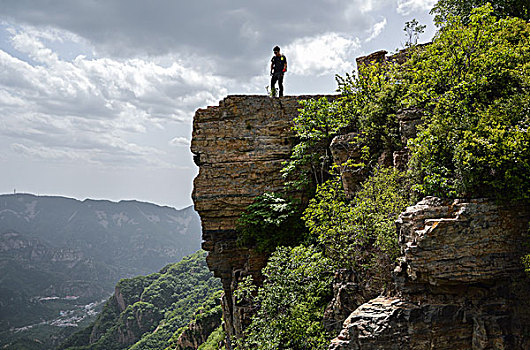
column 59, row 254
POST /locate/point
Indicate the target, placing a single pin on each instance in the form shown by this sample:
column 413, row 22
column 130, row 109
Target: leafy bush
column 361, row 233
column 444, row 9
column 270, row 221
column 291, row 302
column 315, row 126
column 368, row 104
column 473, row 81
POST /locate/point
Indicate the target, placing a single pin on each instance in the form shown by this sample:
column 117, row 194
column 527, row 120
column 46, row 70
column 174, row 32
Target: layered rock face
column 239, row 146
column 460, row 281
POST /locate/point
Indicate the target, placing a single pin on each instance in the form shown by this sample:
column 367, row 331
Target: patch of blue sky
column 66, row 47
column 6, row 44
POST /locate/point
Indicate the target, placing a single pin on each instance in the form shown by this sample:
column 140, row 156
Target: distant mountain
column 60, row 257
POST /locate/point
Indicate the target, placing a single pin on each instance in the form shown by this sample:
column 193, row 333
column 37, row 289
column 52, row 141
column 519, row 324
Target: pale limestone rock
column 460, row 282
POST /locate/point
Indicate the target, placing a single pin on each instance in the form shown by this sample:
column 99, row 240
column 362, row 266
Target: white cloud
column 180, row 142
column 376, row 30
column 95, row 109
column 406, row 7
column 322, row 54
column 366, row 6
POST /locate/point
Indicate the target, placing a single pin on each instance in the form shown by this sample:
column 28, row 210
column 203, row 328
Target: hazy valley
column 60, row 258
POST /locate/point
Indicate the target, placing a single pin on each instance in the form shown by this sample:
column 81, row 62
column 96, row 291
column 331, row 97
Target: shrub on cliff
column 474, row 84
column 361, row 233
column 315, row 126
column 290, row 303
column 368, row 104
column 271, row 221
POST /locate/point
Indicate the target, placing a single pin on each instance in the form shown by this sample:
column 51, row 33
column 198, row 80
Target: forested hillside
column 60, row 258
column 151, row 312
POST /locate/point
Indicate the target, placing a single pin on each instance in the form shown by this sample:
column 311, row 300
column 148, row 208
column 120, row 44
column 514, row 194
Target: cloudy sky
column 97, row 96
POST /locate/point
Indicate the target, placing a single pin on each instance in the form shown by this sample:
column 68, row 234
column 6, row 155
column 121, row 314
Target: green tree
column 444, row 9
column 412, row 30
column 473, row 82
column 291, row 302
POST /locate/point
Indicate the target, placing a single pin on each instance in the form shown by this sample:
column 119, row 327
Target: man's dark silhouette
column 278, row 68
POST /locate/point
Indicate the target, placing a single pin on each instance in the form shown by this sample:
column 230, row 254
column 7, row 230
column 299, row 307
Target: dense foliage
column 291, row 302
column 444, row 9
column 271, row 221
column 474, row 84
column 165, row 301
column 315, row 126
column 360, row 233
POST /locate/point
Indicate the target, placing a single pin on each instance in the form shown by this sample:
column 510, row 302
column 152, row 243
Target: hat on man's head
column 276, row 49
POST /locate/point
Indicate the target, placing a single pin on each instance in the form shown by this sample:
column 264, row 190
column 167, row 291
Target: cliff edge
column 239, row 147
column 459, row 281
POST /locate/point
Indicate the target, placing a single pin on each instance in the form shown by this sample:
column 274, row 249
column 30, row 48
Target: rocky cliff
column 458, row 283
column 239, row 146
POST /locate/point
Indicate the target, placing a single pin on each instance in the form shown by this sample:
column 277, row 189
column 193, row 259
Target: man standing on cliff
column 278, row 68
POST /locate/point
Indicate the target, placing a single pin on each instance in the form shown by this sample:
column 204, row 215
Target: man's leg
column 280, row 84
column 274, row 79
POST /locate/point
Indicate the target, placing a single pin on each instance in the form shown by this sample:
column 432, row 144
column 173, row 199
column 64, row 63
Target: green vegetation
column 445, row 9
column 472, row 86
column 473, row 83
column 215, row 340
column 291, row 302
column 208, row 316
column 270, row 221
column 315, row 126
column 360, row 233
column 165, row 301
column 526, row 263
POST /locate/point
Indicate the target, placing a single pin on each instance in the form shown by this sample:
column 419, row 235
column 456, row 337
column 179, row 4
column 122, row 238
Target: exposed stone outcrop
column 348, row 294
column 239, row 146
column 380, row 56
column 375, row 57
column 461, row 284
